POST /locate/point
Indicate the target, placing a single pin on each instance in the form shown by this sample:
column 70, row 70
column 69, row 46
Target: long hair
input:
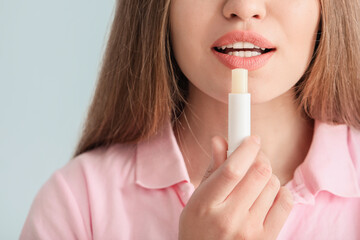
column 140, row 84
column 330, row 89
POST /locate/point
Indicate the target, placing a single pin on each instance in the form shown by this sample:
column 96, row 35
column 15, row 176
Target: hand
column 238, row 198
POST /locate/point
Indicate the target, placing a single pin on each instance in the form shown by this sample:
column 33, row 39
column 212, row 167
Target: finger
column 263, row 203
column 253, row 183
column 219, row 151
column 219, row 147
column 221, row 183
column 279, row 212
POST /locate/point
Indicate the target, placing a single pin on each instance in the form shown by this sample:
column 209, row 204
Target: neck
column 285, row 135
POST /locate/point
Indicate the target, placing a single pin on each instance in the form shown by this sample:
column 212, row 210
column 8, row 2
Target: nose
column 245, row 10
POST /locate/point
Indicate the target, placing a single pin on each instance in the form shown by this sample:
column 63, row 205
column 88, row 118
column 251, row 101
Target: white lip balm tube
column 239, row 110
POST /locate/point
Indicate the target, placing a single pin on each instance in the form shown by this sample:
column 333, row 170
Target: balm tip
column 239, row 80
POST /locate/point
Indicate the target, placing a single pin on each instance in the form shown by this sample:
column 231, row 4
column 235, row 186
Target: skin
column 291, row 26
column 241, row 197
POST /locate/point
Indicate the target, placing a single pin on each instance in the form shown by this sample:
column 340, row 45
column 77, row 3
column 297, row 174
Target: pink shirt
column 138, row 192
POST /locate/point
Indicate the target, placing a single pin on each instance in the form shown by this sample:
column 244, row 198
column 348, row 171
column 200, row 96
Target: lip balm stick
column 239, row 110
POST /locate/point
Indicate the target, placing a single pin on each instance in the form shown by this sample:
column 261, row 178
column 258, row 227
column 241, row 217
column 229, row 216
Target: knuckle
column 240, row 236
column 250, row 141
column 274, row 183
column 249, row 232
column 263, row 169
column 262, row 157
column 224, row 225
column 250, row 144
column 231, row 173
column 195, row 211
column 286, row 200
column 202, row 211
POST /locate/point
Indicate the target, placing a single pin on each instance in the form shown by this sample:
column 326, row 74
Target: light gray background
column 50, row 53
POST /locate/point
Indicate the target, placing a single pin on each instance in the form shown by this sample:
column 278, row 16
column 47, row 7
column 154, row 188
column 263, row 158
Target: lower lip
column 249, row 63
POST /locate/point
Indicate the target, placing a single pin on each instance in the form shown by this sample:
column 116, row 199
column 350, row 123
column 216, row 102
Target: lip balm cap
column 239, row 80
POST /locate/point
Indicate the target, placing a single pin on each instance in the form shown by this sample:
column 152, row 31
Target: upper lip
column 243, row 36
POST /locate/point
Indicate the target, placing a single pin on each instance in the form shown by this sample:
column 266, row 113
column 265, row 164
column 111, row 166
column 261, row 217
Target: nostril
column 234, row 15
column 256, row 16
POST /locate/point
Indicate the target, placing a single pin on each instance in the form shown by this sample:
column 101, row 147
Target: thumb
column 219, row 147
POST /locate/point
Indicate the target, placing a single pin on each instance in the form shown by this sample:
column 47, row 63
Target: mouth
column 242, row 49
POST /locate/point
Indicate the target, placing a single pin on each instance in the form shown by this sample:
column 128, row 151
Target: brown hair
column 330, row 89
column 140, row 85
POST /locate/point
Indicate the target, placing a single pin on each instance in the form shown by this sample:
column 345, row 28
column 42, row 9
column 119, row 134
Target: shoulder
column 339, row 138
column 101, row 165
column 340, row 142
column 92, row 174
column 64, row 206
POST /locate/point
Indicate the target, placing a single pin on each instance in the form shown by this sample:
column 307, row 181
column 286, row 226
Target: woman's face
column 280, row 36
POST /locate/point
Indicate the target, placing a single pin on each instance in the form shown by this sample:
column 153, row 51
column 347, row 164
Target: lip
column 249, row 63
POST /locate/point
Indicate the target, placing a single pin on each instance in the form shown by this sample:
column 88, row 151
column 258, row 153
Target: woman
column 145, row 167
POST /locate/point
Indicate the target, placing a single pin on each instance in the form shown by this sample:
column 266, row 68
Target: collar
column 159, row 162
column 329, row 166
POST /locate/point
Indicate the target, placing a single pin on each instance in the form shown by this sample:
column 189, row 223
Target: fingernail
column 257, row 139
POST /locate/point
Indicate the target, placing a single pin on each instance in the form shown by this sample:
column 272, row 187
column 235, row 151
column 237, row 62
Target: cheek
column 192, row 33
column 301, row 29
column 183, row 34
column 187, row 30
column 298, row 30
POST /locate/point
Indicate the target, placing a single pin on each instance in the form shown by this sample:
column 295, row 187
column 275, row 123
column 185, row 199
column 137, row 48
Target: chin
column 266, row 95
column 259, row 100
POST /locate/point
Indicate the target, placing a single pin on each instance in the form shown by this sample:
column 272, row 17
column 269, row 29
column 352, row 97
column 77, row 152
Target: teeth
column 248, row 54
column 240, row 45
column 248, row 45
column 244, row 53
